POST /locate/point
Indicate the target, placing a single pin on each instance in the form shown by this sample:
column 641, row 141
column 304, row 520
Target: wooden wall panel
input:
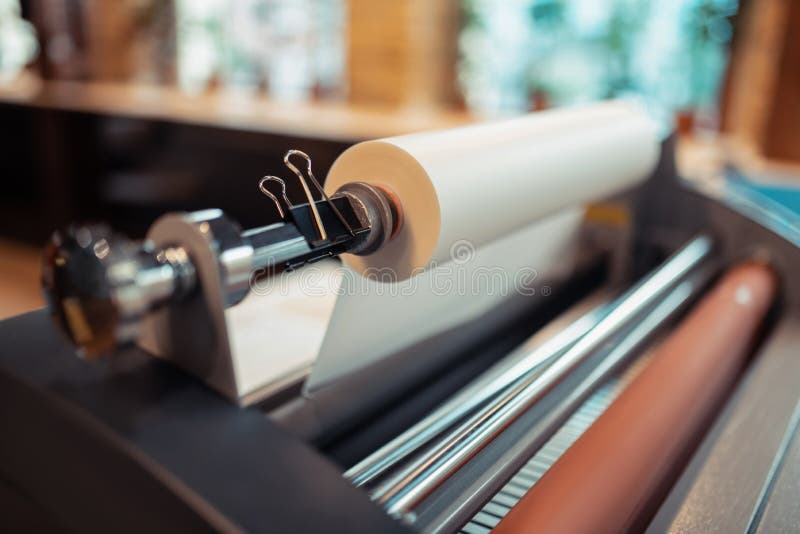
column 402, row 52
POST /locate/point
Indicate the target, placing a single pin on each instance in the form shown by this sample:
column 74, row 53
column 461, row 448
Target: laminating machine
column 125, row 407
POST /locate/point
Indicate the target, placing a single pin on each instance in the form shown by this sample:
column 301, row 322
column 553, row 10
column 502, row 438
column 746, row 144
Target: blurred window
column 522, row 54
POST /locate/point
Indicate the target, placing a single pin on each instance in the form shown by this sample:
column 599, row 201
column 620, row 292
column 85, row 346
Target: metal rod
column 522, row 362
column 617, row 358
column 275, row 244
column 405, row 489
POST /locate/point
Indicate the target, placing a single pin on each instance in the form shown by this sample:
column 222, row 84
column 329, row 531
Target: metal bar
column 525, row 360
column 401, row 492
column 275, row 244
column 537, row 436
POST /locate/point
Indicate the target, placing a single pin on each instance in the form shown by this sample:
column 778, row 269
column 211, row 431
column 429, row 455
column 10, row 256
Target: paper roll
column 478, row 183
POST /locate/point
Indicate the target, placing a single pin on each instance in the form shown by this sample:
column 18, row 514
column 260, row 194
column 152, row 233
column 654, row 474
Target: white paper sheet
column 280, row 325
column 372, row 320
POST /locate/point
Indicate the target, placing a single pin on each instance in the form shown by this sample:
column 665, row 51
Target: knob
column 100, row 285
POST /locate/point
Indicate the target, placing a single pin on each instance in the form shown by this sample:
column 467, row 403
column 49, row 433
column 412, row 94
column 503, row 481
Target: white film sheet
column 372, row 319
column 280, row 326
column 487, row 211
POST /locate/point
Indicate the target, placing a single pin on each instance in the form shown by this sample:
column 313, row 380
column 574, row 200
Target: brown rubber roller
column 605, row 480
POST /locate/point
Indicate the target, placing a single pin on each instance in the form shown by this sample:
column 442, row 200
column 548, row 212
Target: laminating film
column 478, row 183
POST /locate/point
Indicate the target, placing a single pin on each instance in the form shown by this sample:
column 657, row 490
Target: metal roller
column 101, row 285
column 411, row 483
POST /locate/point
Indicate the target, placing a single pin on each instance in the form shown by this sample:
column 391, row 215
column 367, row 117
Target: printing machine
column 136, row 443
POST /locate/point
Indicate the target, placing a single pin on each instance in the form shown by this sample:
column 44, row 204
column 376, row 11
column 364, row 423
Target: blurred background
column 119, row 111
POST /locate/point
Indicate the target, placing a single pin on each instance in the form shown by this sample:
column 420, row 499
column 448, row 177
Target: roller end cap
column 75, row 280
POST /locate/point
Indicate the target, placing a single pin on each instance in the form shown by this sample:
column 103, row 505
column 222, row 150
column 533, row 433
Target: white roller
column 482, row 182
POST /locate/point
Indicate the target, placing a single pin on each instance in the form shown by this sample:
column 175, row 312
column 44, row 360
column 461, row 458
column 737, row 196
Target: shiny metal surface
column 276, row 252
column 234, row 253
column 321, row 232
column 193, row 332
column 505, row 499
column 137, row 277
column 524, row 362
column 141, row 284
column 99, row 285
column 621, row 354
column 399, row 493
column 376, row 211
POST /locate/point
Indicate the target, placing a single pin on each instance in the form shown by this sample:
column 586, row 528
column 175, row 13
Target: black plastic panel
column 135, row 445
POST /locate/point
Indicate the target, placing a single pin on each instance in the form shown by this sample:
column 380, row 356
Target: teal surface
column 787, row 196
